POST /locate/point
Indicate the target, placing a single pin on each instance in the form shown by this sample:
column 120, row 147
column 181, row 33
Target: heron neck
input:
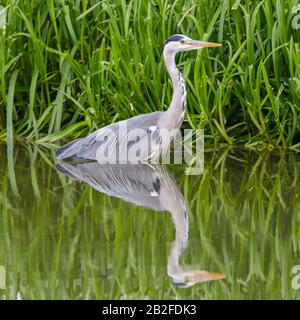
column 177, row 107
column 180, row 220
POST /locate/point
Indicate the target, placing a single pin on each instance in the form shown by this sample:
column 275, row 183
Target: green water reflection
column 151, row 234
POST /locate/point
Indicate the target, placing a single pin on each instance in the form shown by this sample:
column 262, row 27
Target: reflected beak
column 189, row 278
column 204, row 276
column 193, row 44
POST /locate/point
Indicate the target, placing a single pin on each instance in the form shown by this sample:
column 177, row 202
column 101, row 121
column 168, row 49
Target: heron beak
column 202, row 44
column 205, row 276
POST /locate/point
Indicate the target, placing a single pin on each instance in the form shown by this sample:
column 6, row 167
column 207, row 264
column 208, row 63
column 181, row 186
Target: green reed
column 69, row 67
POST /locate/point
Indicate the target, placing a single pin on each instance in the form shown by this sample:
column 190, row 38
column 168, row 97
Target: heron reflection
column 149, row 186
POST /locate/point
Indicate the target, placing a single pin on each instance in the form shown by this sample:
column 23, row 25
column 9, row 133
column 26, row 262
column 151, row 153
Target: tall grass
column 64, row 240
column 69, row 67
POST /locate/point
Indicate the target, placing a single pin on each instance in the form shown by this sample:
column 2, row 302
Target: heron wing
column 122, row 134
column 139, row 184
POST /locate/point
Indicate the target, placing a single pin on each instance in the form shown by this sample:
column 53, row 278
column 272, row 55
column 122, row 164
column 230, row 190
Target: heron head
column 179, row 42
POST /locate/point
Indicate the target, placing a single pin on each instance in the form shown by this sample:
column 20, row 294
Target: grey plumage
column 87, row 147
column 95, row 144
column 137, row 183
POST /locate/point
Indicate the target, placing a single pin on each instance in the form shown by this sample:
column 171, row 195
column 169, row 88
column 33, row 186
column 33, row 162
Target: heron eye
column 182, row 41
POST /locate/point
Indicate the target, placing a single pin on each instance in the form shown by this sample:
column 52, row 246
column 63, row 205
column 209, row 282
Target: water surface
column 152, row 234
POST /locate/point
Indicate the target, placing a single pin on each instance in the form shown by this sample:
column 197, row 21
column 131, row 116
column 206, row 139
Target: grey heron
column 149, row 186
column 150, row 125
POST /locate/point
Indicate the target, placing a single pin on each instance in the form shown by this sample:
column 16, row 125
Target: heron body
column 152, row 127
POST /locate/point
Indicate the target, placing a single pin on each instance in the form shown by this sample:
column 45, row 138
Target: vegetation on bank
column 70, row 67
